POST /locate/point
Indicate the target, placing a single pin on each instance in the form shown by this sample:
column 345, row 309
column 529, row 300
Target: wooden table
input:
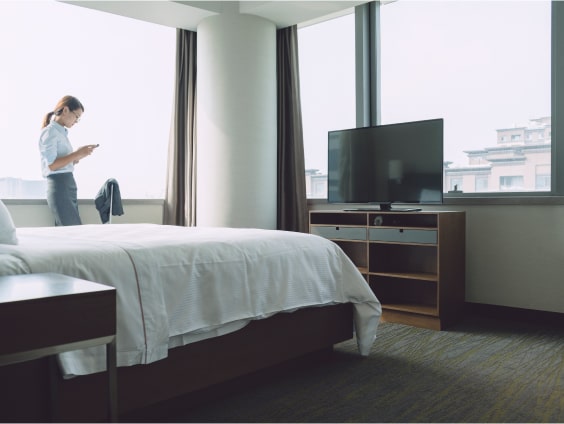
column 45, row 314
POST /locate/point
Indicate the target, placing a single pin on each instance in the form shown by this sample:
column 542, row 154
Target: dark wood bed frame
column 35, row 396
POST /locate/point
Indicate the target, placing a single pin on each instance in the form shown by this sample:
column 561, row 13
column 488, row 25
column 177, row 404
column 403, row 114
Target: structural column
column 236, row 121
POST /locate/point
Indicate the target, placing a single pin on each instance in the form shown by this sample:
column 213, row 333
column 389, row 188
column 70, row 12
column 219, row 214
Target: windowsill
column 483, row 201
column 82, row 201
column 503, row 200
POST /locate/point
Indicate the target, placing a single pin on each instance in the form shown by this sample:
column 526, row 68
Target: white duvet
column 176, row 285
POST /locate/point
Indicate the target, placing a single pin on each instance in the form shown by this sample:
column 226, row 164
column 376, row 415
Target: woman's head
column 67, row 112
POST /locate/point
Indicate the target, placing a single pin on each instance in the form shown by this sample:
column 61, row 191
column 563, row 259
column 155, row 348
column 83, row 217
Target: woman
column 58, row 160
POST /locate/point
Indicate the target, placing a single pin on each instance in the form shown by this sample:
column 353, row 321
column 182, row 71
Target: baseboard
column 553, row 319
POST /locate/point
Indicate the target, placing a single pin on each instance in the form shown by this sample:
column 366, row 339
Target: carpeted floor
column 482, row 370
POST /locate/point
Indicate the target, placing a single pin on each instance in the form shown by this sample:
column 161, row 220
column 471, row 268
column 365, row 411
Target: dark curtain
column 180, row 197
column 292, row 199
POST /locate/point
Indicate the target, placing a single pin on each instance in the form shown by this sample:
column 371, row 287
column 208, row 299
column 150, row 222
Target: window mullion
column 367, row 47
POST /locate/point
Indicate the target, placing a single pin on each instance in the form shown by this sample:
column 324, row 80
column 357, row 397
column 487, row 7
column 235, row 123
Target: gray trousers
column 62, row 200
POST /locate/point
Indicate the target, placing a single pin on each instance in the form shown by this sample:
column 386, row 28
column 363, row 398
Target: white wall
column 514, row 255
column 36, row 213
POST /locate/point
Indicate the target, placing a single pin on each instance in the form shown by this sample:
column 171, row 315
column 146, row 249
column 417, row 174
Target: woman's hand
column 84, row 151
column 74, row 157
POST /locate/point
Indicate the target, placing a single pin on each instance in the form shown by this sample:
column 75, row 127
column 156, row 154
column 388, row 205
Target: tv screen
column 385, row 164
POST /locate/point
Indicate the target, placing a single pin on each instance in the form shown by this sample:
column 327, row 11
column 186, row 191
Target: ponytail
column 47, row 119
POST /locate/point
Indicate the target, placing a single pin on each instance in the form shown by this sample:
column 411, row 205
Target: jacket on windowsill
column 108, row 198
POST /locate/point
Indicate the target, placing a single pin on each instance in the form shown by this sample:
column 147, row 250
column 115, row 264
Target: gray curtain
column 292, row 199
column 180, row 196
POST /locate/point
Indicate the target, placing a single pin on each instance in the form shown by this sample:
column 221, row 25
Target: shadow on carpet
column 482, row 370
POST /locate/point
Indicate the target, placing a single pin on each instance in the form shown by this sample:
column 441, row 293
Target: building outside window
column 511, row 183
column 481, row 183
column 526, row 158
column 542, row 180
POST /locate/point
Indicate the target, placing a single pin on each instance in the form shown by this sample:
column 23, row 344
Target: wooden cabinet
column 413, row 261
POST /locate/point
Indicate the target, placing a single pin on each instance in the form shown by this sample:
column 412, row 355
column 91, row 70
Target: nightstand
column 45, row 314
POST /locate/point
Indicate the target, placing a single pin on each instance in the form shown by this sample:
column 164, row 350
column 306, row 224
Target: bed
column 197, row 306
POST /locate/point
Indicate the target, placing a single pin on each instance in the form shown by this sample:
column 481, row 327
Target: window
column 327, row 84
column 472, row 64
column 511, row 183
column 542, row 182
column 120, row 68
column 542, row 177
column 481, row 183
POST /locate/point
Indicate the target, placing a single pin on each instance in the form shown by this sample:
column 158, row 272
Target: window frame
column 368, row 103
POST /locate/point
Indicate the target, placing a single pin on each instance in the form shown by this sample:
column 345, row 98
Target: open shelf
column 357, row 251
column 403, row 220
column 402, row 259
column 414, row 262
column 413, row 308
column 410, row 275
column 339, row 218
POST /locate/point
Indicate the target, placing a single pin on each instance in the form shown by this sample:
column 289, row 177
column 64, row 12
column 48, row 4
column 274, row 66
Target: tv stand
column 404, row 210
column 414, row 262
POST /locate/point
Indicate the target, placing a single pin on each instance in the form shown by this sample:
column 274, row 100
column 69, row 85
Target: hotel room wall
column 36, row 213
column 514, row 254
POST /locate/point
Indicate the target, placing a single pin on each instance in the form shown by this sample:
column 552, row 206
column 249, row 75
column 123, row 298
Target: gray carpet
column 482, row 370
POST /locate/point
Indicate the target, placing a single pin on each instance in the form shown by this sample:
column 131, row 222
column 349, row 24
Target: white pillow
column 7, row 227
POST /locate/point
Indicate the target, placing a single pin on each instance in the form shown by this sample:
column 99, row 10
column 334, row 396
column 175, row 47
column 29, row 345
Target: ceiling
column 188, row 14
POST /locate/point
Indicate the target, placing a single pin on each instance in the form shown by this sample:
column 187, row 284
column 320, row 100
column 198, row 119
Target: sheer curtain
column 180, row 197
column 292, row 198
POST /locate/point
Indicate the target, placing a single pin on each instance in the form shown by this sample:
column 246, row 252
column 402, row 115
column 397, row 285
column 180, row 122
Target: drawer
column 341, row 233
column 403, row 236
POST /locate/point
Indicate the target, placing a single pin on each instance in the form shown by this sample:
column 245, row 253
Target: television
column 385, row 164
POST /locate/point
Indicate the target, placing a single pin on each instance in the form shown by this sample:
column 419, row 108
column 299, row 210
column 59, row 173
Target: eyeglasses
column 77, row 116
